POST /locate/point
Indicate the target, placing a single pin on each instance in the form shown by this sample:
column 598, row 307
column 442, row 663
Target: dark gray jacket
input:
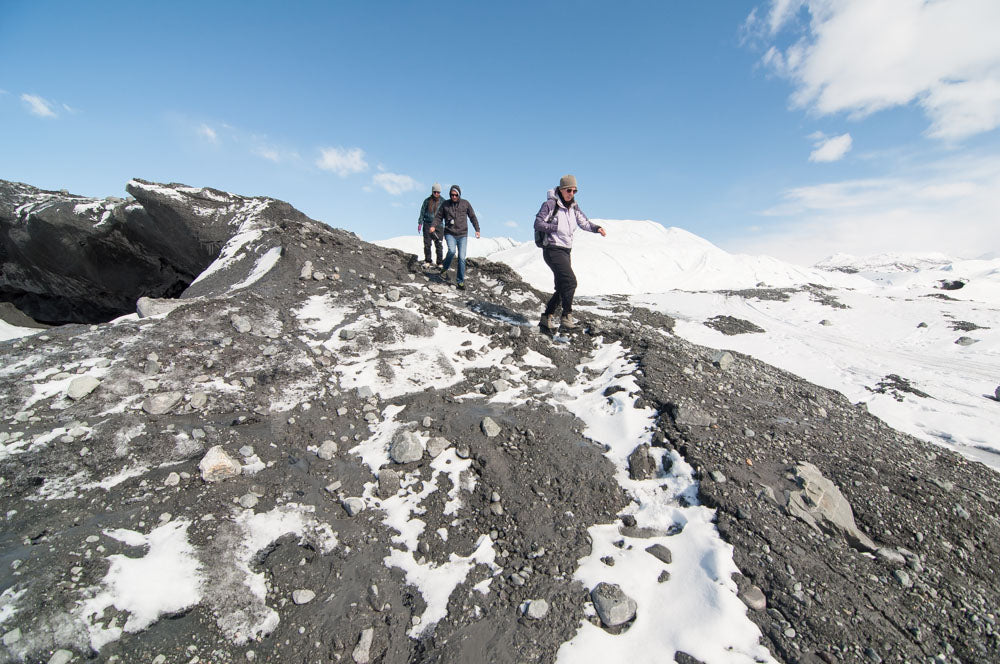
column 456, row 216
column 426, row 217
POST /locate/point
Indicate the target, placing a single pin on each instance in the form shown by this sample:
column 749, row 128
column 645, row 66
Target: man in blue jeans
column 456, row 212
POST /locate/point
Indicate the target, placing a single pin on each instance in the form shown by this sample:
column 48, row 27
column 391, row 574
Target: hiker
column 557, row 219
column 455, row 212
column 426, row 222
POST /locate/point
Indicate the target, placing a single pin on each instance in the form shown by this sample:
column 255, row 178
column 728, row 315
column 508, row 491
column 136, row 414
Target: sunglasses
column 454, row 195
column 570, row 191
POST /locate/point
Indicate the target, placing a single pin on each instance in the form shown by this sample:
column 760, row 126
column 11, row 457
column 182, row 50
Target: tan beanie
column 567, row 182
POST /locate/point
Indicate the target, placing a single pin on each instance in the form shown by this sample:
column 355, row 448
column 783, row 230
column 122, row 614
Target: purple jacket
column 559, row 231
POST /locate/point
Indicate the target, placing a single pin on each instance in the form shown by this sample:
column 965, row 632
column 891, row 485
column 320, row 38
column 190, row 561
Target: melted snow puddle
column 697, row 610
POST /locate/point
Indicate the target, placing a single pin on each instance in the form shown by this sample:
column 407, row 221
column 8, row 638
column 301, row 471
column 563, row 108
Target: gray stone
column 392, row 295
column 489, row 427
column 754, row 598
column 500, row 385
column 303, row 596
column 12, row 637
column 241, row 323
column 388, row 482
column 160, row 404
column 661, row 552
column 536, row 609
column 717, row 476
column 641, row 464
column 173, row 479
column 613, row 606
column 362, row 651
column 406, row 448
column 691, row 416
column 248, row 501
column 61, row 657
column 347, row 334
column 217, row 465
column 437, row 445
column 966, row 341
column 327, row 450
column 149, row 306
column 643, row 532
column 365, row 392
column 81, row 387
column 307, row 270
column 353, row 506
column 821, row 504
column 198, row 400
column 723, row 359
column 903, row 577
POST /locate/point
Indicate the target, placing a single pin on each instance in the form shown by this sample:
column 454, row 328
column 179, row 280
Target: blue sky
column 797, row 128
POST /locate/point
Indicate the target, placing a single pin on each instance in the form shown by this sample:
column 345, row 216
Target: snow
column 475, row 248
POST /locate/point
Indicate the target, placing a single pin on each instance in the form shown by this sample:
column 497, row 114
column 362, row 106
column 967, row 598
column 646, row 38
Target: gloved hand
column 419, row 227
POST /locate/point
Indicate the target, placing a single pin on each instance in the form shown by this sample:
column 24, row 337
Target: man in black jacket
column 426, row 222
column 455, row 213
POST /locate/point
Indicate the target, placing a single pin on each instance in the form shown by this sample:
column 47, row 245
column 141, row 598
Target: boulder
column 81, row 387
column 821, row 504
column 217, row 465
column 613, row 606
column 406, row 448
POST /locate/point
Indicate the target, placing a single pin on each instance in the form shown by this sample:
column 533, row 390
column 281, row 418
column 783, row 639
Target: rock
column 198, row 400
column 903, row 577
column 61, row 657
column 825, row 323
column 248, row 501
column 489, row 427
column 173, row 479
column 691, row 416
column 149, row 306
column 536, row 609
column 821, row 504
column 362, row 651
column 347, row 334
column 436, row 446
column 160, row 404
column 966, row 341
column 661, row 552
column 717, row 476
column 388, row 482
column 613, row 606
column 754, row 598
column 353, row 506
column 303, row 596
column 240, row 323
column 307, row 270
column 392, row 295
column 500, row 385
column 12, row 637
column 644, row 532
column 81, row 387
column 723, row 359
column 641, row 464
column 406, row 448
column 327, row 450
column 217, row 465
column 996, row 393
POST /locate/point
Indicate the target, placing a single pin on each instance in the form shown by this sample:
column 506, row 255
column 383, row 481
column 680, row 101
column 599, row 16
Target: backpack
column 540, row 235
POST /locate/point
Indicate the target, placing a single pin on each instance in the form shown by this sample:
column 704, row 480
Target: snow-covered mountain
column 646, row 257
column 883, row 263
column 322, row 452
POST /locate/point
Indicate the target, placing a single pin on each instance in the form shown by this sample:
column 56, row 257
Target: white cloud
column 394, row 183
column 830, row 148
column 38, row 106
column 342, row 161
column 949, row 206
column 208, row 133
column 860, row 56
column 268, row 153
column 510, row 224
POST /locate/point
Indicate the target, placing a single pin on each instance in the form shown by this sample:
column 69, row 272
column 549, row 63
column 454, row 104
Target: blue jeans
column 460, row 242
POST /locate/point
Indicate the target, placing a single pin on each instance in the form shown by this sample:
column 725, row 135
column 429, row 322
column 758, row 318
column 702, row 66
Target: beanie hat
column 567, row 181
column 436, row 187
column 455, row 187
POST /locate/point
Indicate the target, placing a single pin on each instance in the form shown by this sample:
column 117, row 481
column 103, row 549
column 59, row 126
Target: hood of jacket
column 455, row 187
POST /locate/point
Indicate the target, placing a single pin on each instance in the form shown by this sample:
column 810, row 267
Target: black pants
column 557, row 258
column 428, row 238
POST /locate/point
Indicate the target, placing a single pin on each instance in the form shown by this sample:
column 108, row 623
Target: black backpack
column 540, row 235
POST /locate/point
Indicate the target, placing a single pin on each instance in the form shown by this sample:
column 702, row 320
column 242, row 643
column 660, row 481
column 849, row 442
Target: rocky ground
column 855, row 543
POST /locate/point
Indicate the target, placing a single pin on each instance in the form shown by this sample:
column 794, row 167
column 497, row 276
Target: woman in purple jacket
column 557, row 219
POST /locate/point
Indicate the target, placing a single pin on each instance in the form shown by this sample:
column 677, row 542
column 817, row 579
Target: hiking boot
column 460, row 285
column 548, row 321
column 567, row 321
column 444, row 272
